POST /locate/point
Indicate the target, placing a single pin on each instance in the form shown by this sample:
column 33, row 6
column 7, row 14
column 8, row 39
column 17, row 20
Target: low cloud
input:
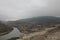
column 20, row 9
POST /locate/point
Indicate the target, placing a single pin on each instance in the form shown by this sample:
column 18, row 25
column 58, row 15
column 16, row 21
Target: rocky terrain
column 4, row 29
column 35, row 24
column 47, row 34
column 38, row 28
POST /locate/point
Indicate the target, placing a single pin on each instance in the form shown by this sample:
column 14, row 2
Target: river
column 14, row 33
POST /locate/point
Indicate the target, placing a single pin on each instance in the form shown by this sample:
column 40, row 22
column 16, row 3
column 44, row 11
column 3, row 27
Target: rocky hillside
column 4, row 29
column 35, row 24
column 47, row 34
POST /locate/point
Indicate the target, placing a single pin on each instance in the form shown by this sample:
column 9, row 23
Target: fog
column 54, row 7
column 11, row 10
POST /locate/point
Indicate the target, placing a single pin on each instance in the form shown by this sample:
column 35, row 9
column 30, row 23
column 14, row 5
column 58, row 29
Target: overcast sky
column 19, row 9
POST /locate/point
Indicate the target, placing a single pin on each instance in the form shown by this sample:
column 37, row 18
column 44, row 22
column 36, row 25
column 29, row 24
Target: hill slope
column 48, row 34
column 4, row 29
column 34, row 24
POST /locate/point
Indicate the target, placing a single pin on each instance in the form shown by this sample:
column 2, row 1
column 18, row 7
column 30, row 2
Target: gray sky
column 19, row 9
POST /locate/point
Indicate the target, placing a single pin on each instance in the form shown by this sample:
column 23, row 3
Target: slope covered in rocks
column 47, row 34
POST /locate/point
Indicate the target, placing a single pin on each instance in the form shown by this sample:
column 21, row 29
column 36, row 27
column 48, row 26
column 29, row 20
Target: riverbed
column 14, row 33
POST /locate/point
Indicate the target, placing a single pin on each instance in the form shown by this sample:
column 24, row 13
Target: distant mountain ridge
column 35, row 23
column 42, row 19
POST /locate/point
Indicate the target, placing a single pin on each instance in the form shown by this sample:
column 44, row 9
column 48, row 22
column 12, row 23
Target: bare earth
column 47, row 34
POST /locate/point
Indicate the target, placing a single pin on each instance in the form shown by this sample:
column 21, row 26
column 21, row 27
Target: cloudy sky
column 19, row 9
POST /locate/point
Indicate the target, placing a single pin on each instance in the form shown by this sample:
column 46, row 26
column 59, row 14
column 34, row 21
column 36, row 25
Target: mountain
column 34, row 24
